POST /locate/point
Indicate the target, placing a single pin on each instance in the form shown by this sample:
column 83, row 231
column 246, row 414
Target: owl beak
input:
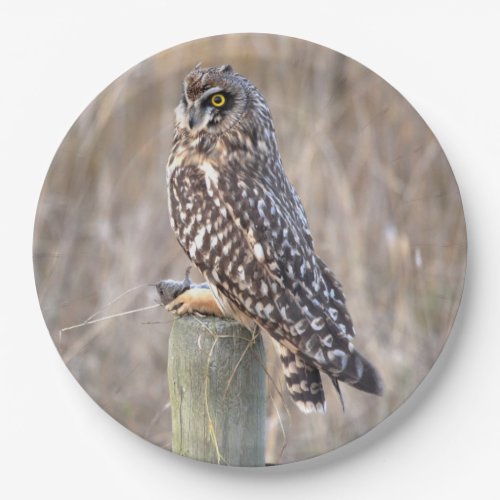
column 194, row 118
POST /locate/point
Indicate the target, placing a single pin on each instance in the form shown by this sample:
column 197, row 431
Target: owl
column 240, row 221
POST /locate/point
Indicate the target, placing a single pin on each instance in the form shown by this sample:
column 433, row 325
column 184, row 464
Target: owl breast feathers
column 240, row 221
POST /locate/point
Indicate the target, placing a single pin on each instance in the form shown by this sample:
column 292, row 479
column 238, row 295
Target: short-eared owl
column 240, row 221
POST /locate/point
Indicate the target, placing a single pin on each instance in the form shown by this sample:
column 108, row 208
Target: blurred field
column 381, row 199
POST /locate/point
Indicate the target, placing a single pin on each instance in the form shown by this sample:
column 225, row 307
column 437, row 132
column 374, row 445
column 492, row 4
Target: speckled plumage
column 240, row 221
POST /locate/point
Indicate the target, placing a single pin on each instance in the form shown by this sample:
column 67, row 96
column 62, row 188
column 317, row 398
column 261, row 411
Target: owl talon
column 194, row 300
column 172, row 306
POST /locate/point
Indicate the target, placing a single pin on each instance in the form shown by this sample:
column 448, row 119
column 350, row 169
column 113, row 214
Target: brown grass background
column 382, row 202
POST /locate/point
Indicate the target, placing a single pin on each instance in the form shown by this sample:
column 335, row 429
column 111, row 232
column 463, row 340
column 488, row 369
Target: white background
column 56, row 56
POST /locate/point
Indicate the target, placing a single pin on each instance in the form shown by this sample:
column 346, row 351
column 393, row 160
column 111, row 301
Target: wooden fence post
column 218, row 393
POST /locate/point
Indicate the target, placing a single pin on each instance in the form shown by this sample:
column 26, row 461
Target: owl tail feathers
column 303, row 382
column 360, row 373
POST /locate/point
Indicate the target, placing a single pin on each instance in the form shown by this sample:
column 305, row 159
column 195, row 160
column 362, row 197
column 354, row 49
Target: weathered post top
column 218, row 392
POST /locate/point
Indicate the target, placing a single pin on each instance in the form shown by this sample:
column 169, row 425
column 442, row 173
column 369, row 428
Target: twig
column 116, row 299
column 90, row 320
column 233, row 373
column 283, row 432
column 117, row 315
column 211, row 428
column 75, row 349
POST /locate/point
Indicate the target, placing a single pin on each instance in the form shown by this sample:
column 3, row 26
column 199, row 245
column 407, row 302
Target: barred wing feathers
column 265, row 265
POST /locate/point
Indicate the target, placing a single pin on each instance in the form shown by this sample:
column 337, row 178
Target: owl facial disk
column 213, row 100
column 207, row 111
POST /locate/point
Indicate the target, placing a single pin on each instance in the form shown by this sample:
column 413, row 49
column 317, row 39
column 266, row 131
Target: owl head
column 213, row 100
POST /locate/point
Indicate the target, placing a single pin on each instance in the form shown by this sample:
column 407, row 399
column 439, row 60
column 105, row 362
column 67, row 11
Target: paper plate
column 384, row 212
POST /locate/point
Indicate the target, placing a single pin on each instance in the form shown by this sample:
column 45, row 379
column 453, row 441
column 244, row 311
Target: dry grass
column 382, row 202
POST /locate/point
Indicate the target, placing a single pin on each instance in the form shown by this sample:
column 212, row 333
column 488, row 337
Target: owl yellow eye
column 218, row 100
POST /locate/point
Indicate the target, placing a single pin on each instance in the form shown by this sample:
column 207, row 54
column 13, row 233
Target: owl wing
column 252, row 243
column 265, row 265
